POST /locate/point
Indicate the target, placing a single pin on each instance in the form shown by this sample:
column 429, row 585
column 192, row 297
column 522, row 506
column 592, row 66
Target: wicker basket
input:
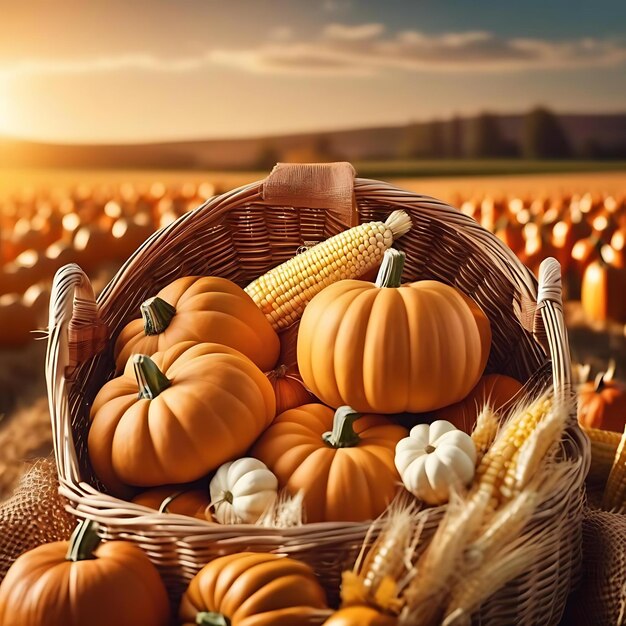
column 240, row 235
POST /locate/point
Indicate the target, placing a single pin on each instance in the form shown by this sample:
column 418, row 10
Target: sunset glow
column 119, row 71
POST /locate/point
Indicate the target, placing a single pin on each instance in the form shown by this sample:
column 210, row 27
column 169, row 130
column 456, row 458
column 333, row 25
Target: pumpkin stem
column 157, row 315
column 281, row 371
column 206, row 618
column 342, row 434
column 599, row 383
column 151, row 380
column 83, row 542
column 390, row 272
column 429, row 449
column 168, row 501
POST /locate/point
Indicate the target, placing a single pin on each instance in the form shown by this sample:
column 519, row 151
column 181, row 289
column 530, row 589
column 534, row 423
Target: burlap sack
column 601, row 597
column 33, row 515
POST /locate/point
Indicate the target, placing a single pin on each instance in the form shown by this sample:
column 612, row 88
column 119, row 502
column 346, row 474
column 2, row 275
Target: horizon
column 155, row 71
column 8, row 138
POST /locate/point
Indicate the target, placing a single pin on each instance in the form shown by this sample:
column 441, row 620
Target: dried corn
column 537, row 447
column 615, row 491
column 500, row 461
column 283, row 292
column 379, row 578
column 604, row 444
column 485, row 431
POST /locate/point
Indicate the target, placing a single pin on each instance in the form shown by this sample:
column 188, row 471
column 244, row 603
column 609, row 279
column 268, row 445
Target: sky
column 114, row 71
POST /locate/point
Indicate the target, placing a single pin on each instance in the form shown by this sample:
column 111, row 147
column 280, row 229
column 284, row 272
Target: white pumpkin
column 242, row 491
column 433, row 458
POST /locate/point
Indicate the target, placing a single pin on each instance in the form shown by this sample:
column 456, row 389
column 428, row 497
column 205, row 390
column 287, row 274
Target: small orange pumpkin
column 493, row 389
column 203, row 309
column 249, row 589
column 602, row 292
column 602, row 403
column 360, row 616
column 177, row 416
column 386, row 348
column 342, row 461
column 80, row 582
column 289, row 389
column 177, row 501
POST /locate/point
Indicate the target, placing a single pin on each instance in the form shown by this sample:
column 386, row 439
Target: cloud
column 361, row 50
column 335, row 6
column 361, row 32
column 281, row 33
column 364, row 49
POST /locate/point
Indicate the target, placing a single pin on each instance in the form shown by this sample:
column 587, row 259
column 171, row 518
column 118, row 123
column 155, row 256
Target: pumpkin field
column 98, row 218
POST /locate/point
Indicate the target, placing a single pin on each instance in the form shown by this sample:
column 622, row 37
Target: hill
column 591, row 135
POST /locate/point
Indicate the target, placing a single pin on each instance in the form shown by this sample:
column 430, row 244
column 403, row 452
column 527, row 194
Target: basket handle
column 549, row 323
column 327, row 186
column 75, row 333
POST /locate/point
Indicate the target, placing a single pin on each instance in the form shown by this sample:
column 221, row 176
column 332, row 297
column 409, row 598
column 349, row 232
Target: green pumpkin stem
column 206, row 618
column 343, row 434
column 157, row 315
column 84, row 541
column 151, row 380
column 390, row 272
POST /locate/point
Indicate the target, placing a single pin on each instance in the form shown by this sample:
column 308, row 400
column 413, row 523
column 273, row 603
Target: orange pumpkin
column 386, row 348
column 249, row 589
column 192, row 502
column 602, row 404
column 22, row 316
column 493, row 389
column 288, row 388
column 602, row 292
column 584, row 252
column 289, row 346
column 128, row 234
column 565, row 234
column 511, row 233
column 360, row 616
column 343, row 462
column 92, row 244
column 80, row 582
column 176, row 417
column 200, row 309
column 538, row 246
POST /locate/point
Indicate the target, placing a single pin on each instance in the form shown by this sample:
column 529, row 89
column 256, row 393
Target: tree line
column 481, row 137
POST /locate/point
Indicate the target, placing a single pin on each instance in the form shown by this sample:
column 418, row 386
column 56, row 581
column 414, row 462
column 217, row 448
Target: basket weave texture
column 239, row 236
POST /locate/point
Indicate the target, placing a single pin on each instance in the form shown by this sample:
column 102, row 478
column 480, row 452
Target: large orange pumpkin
column 177, row 501
column 342, row 461
column 386, row 348
column 602, row 404
column 79, row 582
column 493, row 389
column 249, row 589
column 177, row 416
column 200, row 309
column 289, row 389
column 360, row 616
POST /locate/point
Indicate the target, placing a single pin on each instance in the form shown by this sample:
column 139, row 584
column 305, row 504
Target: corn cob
column 497, row 468
column 380, row 575
column 615, row 491
column 604, row 444
column 283, row 292
column 485, row 431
